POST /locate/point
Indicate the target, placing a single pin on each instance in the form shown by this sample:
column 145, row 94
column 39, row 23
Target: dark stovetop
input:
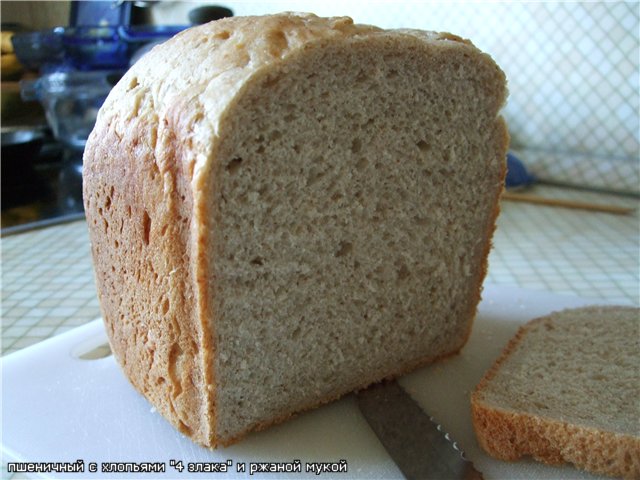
column 41, row 181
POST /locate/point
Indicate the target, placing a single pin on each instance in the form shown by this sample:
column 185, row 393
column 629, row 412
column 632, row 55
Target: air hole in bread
column 362, row 163
column 271, row 81
column 277, row 42
column 174, row 359
column 403, row 272
column 234, row 165
column 107, row 203
column 257, row 261
column 146, row 227
column 314, row 176
column 423, row 146
column 295, row 334
column 344, row 249
column 275, row 135
column 356, row 145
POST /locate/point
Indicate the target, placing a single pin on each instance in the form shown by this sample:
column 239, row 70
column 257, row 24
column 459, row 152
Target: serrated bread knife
column 418, row 445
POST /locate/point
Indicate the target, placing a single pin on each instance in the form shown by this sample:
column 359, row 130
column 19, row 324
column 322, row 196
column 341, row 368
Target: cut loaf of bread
column 567, row 389
column 286, row 208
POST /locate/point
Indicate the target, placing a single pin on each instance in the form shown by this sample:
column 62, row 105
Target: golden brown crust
column 138, row 206
column 509, row 435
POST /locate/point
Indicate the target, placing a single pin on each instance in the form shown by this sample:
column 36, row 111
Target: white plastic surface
column 59, row 408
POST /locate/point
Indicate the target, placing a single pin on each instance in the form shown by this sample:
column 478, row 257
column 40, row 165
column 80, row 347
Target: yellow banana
column 7, row 46
column 10, row 66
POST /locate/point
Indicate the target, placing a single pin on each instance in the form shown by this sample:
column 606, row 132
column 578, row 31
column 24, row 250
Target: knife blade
column 416, row 443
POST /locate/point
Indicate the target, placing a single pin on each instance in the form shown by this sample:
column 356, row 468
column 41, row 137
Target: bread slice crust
column 509, row 433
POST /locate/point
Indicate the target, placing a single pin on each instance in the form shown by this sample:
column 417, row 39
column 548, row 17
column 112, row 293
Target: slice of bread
column 567, row 389
column 286, row 208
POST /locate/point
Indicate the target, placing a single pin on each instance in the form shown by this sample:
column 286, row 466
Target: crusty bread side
column 567, row 389
column 286, row 208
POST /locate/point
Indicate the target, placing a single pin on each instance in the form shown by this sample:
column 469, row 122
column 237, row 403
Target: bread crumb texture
column 567, row 389
column 286, row 208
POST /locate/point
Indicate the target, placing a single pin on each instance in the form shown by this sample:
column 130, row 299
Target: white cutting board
column 59, row 408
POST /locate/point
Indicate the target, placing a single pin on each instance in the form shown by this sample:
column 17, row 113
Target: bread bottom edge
column 510, row 436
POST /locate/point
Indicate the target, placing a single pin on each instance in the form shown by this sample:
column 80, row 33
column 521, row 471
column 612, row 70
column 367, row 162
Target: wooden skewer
column 557, row 202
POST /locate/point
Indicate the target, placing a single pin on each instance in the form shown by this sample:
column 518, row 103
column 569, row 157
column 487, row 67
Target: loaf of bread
column 567, row 389
column 286, row 208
